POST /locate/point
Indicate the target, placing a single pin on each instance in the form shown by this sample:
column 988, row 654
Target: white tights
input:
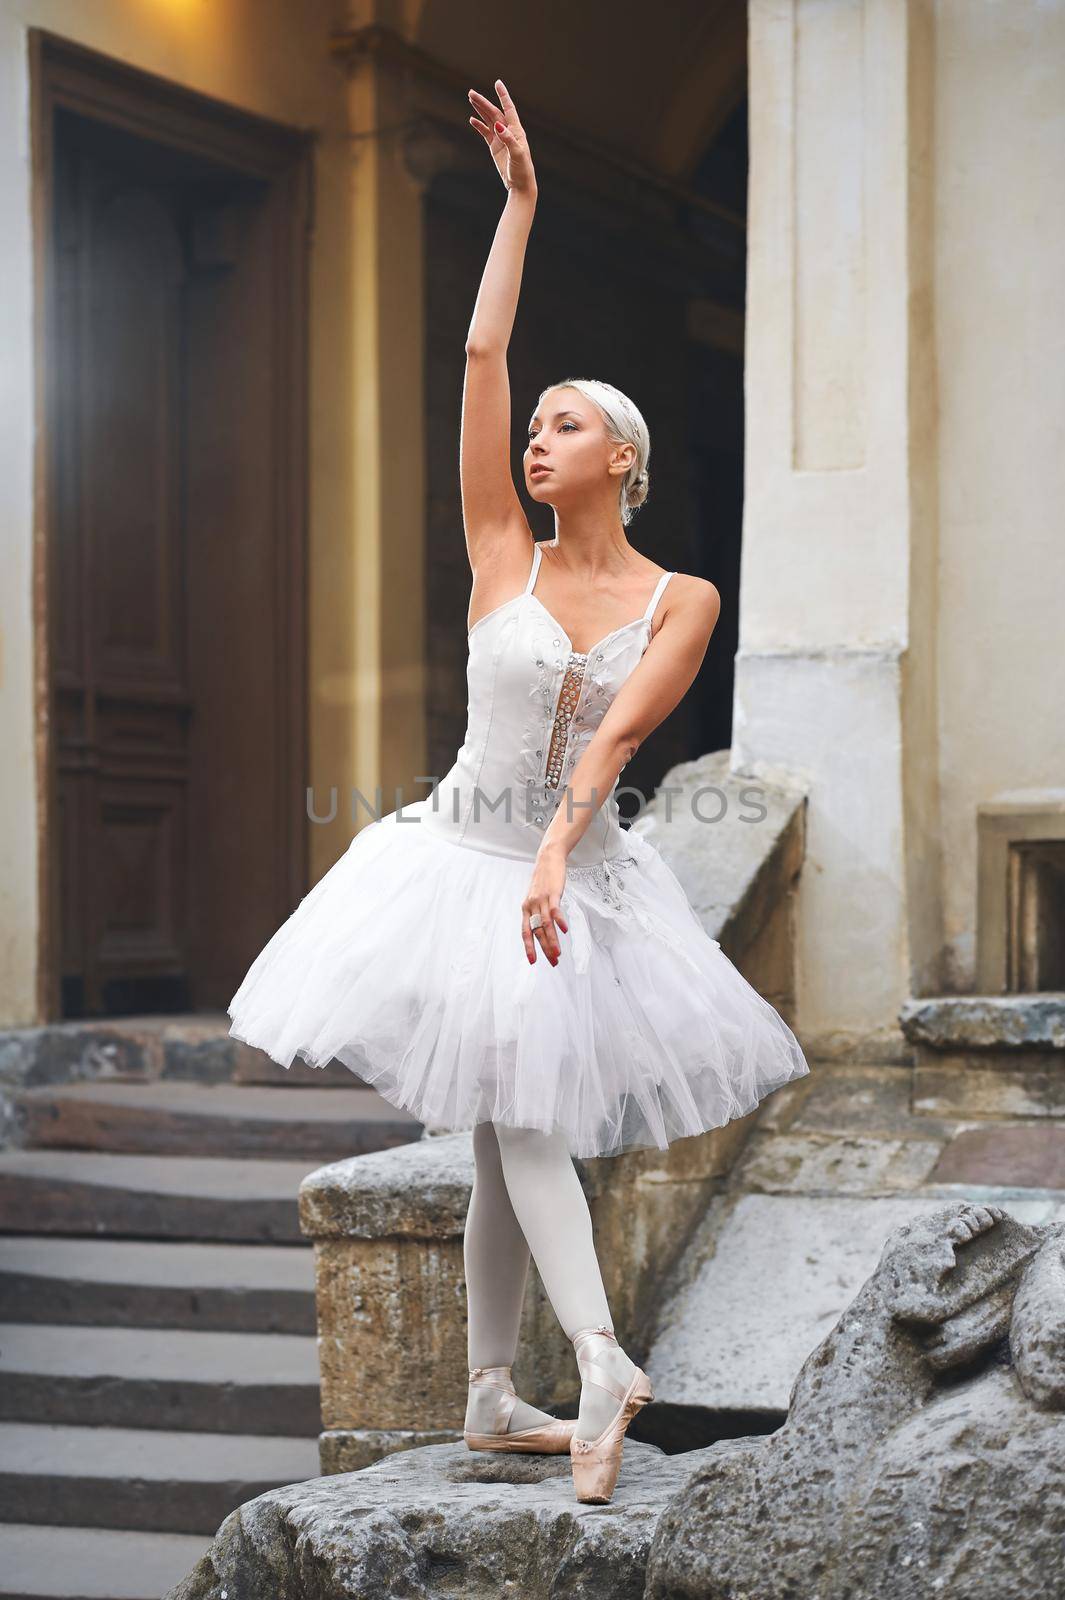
column 526, row 1199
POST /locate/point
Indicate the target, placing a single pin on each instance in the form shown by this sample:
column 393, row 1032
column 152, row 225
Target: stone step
column 195, row 1119
column 160, row 1378
column 130, row 1283
column 195, row 1046
column 1020, row 1157
column 134, row 1479
column 157, row 1197
column 39, row 1563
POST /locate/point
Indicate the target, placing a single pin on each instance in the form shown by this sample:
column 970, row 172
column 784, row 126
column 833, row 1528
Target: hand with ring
column 541, row 913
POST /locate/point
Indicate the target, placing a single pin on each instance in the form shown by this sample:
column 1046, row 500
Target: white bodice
column 534, row 704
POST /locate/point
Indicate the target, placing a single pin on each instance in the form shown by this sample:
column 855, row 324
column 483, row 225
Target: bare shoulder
column 693, row 601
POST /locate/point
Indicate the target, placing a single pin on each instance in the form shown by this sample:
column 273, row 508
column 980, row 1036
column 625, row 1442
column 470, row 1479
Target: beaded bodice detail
column 535, row 704
column 568, row 700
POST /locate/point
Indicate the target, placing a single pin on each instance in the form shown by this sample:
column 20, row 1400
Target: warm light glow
column 201, row 17
column 178, row 7
column 213, row 30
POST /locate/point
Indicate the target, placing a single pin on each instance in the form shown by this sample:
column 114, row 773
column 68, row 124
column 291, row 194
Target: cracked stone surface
column 441, row 1521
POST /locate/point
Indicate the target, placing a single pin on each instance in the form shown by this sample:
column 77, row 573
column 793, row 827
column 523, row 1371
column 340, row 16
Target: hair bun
column 636, row 493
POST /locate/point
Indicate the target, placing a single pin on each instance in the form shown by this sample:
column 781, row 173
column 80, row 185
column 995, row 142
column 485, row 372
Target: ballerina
column 503, row 956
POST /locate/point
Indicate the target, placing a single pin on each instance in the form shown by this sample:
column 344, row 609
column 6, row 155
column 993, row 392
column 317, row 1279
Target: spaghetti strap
column 534, row 569
column 653, row 602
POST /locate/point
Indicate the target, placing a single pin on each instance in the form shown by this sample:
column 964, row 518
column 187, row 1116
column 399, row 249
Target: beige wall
column 1000, row 354
column 904, row 565
column 266, row 56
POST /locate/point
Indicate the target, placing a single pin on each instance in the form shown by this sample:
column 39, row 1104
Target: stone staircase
column 973, row 1109
column 158, row 1352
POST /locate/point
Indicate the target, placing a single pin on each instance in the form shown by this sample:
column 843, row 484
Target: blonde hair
column 624, row 425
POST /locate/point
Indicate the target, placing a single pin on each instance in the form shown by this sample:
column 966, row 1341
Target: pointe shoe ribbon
column 547, row 1439
column 597, row 1462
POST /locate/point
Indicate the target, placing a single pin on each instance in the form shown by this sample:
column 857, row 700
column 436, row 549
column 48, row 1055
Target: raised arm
column 498, row 536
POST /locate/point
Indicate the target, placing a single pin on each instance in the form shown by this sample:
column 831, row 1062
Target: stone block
column 440, row 1521
column 995, row 1023
column 966, row 1089
column 391, row 1289
column 1026, row 1156
column 814, row 1163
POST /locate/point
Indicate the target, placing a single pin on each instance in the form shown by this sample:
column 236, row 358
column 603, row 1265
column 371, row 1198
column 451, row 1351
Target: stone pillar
column 836, row 671
column 387, row 444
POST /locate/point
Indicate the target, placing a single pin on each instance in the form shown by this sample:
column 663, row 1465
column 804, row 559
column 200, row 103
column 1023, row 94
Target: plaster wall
column 1000, row 330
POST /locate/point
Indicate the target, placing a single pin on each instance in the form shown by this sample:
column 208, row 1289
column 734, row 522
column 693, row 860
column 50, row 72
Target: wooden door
column 175, row 567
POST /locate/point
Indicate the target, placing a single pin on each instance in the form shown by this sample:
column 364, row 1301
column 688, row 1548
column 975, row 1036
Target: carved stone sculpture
column 924, row 1451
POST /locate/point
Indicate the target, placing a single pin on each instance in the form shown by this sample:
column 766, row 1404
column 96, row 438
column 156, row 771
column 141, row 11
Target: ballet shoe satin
column 597, row 1462
column 547, row 1439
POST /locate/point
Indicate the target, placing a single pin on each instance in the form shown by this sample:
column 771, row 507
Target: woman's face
column 569, row 453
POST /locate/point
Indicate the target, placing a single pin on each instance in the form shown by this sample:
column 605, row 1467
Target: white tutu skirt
column 405, row 962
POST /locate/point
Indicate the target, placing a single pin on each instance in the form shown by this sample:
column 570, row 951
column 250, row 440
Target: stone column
column 836, row 671
column 388, row 443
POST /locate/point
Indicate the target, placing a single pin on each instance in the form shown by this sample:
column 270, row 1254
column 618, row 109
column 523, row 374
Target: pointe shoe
column 597, row 1462
column 548, row 1439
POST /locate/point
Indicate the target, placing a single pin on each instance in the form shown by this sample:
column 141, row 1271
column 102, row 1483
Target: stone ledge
column 420, row 1191
column 192, row 1047
column 735, row 872
column 352, row 1449
column 986, row 1022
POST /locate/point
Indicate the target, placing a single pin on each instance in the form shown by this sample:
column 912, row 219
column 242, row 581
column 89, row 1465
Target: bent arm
column 654, row 688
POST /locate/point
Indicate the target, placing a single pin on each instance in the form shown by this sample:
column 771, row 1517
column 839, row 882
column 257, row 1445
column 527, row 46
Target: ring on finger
column 536, row 920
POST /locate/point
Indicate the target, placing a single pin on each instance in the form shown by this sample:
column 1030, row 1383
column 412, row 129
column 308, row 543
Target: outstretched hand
column 501, row 129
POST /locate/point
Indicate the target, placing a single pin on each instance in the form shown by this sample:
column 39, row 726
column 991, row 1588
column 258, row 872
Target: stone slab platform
column 442, row 1521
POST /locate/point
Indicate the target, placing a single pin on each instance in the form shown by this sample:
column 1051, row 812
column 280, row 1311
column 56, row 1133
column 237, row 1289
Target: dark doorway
column 173, row 235
column 716, row 433
column 650, row 296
